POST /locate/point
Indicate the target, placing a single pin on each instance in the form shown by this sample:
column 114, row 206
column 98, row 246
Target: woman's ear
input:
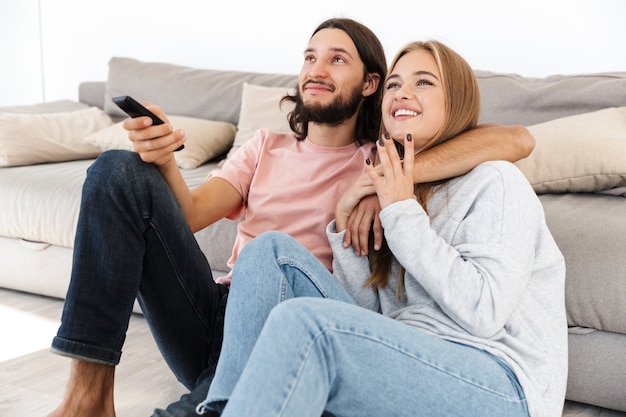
column 371, row 84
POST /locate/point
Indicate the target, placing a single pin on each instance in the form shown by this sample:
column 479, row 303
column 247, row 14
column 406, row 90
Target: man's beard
column 335, row 113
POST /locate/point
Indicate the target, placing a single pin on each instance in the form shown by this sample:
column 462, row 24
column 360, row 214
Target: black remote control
column 133, row 108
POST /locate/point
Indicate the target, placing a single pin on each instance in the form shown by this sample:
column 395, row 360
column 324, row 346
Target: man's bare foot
column 89, row 391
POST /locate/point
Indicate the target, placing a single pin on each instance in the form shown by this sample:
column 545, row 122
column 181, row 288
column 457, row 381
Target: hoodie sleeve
column 351, row 270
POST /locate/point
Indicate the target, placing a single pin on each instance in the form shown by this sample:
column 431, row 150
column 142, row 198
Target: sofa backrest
column 184, row 91
column 510, row 99
column 216, row 94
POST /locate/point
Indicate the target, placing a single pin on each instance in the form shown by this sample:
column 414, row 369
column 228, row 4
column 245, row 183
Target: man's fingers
column 377, row 228
column 366, row 217
column 352, row 229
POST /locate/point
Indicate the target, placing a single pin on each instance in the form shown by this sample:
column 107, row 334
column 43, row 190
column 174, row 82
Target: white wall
column 21, row 78
column 531, row 37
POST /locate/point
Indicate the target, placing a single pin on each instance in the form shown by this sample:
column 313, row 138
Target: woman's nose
column 403, row 92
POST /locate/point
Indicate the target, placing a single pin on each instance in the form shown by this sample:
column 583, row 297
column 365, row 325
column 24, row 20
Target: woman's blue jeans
column 132, row 241
column 295, row 344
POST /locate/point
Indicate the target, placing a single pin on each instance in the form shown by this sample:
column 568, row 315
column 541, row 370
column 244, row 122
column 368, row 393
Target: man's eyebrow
column 333, row 49
column 341, row 51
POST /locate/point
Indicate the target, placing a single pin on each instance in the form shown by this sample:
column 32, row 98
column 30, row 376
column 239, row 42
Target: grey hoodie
column 482, row 269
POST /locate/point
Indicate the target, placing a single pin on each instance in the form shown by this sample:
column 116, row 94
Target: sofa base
column 24, row 261
column 597, row 369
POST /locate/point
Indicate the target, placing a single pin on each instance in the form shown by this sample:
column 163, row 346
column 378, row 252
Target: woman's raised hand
column 396, row 182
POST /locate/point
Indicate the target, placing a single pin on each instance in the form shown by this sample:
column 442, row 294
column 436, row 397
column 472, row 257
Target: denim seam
column 179, row 275
column 413, row 356
column 310, row 275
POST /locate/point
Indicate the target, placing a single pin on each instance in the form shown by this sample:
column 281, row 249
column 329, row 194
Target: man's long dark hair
column 372, row 54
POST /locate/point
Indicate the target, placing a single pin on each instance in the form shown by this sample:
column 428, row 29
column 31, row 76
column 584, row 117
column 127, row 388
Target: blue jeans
column 132, row 241
column 320, row 353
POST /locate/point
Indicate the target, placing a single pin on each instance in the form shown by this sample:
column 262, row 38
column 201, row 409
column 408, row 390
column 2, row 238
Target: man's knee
column 114, row 158
column 119, row 167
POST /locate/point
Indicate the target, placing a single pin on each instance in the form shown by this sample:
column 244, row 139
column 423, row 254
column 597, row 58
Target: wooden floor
column 33, row 384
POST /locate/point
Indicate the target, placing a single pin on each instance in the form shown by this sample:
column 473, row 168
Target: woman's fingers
column 390, row 159
column 409, row 155
column 396, row 184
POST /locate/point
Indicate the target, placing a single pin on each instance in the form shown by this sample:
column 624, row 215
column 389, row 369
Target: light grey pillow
column 184, row 91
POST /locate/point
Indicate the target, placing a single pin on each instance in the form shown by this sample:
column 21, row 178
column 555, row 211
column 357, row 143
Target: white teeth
column 404, row 112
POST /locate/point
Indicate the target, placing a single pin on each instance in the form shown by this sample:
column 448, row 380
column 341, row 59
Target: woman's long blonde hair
column 462, row 108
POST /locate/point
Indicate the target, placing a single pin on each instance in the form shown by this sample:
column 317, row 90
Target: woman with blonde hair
column 461, row 315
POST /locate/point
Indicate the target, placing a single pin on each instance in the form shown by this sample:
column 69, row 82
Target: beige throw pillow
column 261, row 108
column 581, row 153
column 206, row 139
column 35, row 138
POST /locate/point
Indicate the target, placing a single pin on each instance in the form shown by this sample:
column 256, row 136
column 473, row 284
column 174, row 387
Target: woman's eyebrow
column 426, row 73
column 418, row 73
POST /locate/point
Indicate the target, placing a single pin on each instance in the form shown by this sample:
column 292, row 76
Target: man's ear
column 371, row 84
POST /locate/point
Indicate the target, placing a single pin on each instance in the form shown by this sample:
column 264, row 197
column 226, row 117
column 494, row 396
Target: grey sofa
column 578, row 169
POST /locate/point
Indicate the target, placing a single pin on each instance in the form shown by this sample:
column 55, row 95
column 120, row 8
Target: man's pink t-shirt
column 290, row 186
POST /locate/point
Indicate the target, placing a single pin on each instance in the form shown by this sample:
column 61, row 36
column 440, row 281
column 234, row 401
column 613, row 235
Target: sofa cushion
column 43, row 211
column 261, row 108
column 590, row 230
column 512, row 99
column 206, row 94
column 581, row 153
column 33, row 138
column 47, row 211
column 619, row 191
column 596, row 373
column 206, row 139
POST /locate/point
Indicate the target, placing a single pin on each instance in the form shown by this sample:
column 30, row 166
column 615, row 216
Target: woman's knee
column 307, row 312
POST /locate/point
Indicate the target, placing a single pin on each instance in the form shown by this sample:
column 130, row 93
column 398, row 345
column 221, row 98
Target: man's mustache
column 331, row 87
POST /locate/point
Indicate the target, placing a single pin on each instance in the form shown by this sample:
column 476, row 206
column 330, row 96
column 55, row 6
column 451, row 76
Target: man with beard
column 137, row 219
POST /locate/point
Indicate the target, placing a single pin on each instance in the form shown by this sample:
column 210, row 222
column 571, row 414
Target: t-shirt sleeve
column 240, row 168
